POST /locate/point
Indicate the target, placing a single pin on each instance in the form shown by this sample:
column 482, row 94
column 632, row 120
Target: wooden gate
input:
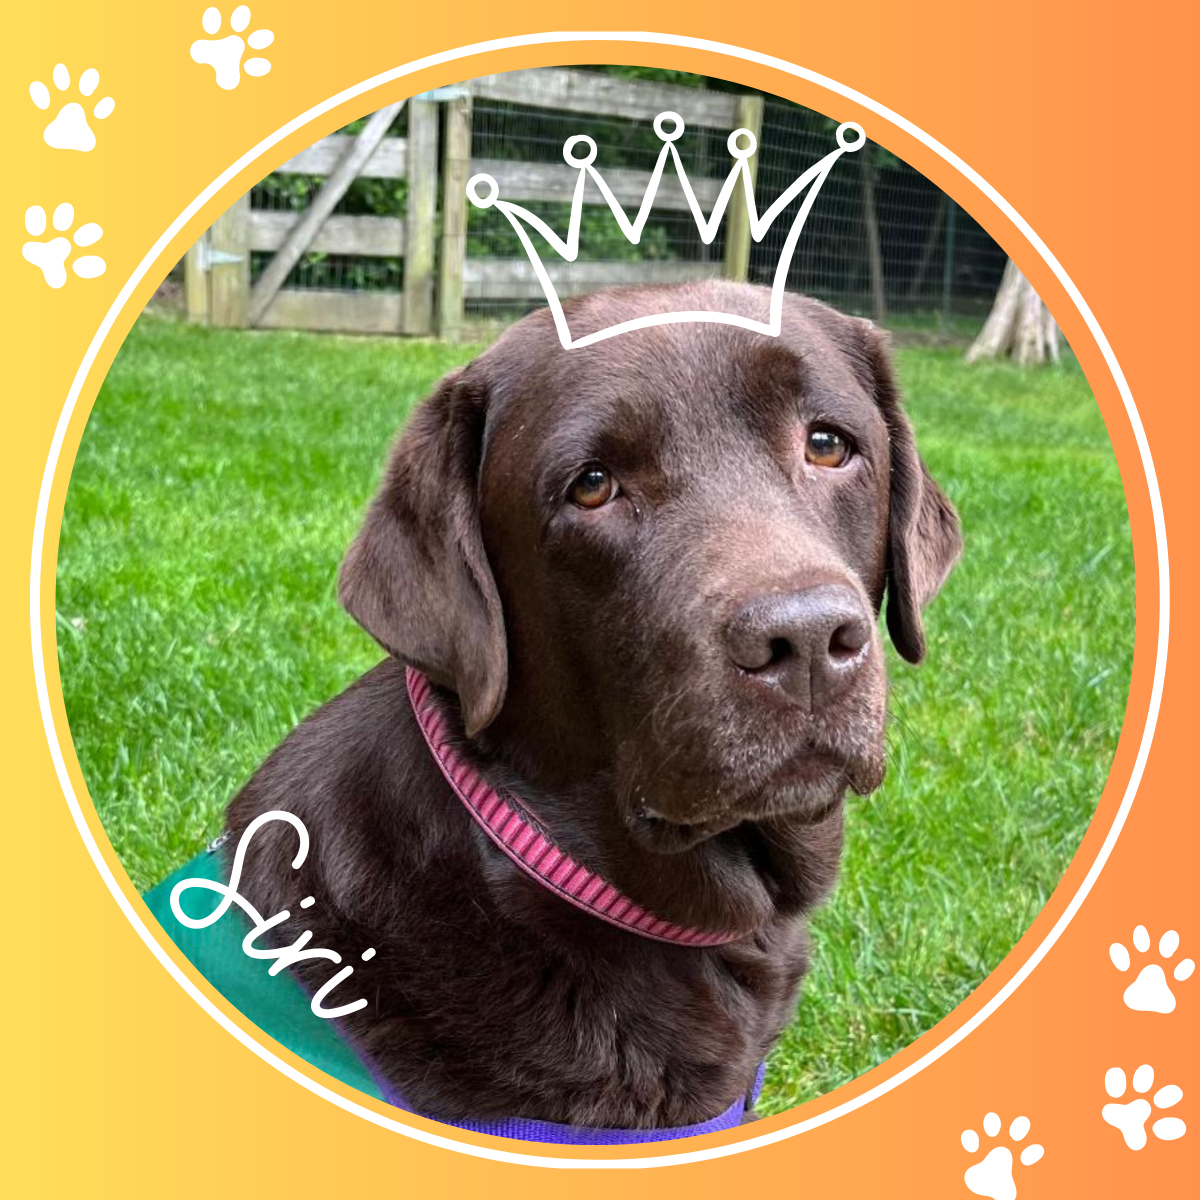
column 439, row 280
column 219, row 290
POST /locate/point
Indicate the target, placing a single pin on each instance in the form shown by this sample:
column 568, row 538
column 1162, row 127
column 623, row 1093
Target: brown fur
column 589, row 652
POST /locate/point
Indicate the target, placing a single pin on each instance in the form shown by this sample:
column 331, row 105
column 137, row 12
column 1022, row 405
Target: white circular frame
column 662, row 1160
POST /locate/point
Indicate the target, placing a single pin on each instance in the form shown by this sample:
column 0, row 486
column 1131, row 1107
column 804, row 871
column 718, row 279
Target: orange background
column 1079, row 122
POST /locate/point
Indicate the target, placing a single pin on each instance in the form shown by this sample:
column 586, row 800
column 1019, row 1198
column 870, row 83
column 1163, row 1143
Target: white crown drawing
column 522, row 219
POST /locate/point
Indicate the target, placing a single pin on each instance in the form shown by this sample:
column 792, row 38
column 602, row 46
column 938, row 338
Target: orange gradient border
column 947, row 1086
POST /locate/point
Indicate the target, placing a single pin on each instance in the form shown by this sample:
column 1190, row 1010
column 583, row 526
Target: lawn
column 222, row 474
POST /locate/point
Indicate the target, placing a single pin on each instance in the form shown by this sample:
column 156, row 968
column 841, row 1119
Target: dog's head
column 657, row 561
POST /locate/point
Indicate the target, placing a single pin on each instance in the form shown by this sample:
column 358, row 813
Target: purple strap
column 580, row 1135
column 527, row 1130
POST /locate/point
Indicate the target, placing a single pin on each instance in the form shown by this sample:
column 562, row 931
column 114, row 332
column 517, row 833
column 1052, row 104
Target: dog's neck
column 694, row 889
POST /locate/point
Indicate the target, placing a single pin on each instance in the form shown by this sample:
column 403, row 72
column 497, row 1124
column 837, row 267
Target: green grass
column 222, row 474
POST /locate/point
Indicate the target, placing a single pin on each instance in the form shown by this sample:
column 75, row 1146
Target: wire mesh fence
column 881, row 240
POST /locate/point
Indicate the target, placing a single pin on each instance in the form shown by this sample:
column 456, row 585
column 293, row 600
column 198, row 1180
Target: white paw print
column 224, row 55
column 51, row 257
column 1149, row 992
column 992, row 1176
column 69, row 130
column 1131, row 1118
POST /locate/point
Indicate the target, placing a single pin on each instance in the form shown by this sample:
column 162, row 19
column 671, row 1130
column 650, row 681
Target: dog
column 639, row 581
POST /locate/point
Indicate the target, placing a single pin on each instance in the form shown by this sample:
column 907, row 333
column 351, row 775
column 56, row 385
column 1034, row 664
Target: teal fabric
column 279, row 1006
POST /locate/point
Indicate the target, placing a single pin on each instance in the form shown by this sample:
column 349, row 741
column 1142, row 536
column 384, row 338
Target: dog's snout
column 810, row 644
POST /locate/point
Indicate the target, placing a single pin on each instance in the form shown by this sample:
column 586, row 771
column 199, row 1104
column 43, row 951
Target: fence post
column 195, row 281
column 737, row 229
column 421, row 166
column 229, row 265
column 456, row 169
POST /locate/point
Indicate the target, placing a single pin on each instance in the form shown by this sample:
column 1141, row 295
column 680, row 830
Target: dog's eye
column 593, row 488
column 825, row 448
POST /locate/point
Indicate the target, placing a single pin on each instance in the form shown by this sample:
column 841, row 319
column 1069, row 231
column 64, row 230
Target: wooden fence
column 439, row 279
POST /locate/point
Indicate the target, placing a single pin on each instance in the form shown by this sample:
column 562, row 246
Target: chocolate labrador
column 641, row 579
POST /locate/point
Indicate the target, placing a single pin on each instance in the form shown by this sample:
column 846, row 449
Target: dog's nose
column 810, row 644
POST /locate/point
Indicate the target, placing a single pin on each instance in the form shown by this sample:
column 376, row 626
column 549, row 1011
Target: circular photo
column 595, row 605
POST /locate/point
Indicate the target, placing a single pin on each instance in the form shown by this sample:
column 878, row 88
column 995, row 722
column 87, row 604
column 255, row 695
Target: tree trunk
column 1019, row 325
column 874, row 254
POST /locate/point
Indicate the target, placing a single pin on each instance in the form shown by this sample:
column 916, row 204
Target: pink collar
column 528, row 846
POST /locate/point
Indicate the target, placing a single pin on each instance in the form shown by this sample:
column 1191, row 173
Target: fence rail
column 567, row 90
column 377, row 237
column 500, row 279
column 389, row 161
column 328, row 311
column 556, row 182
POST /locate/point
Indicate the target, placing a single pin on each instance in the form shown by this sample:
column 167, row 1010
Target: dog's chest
column 624, row 1033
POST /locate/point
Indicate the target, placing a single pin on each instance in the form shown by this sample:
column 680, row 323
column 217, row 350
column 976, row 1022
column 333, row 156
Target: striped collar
column 518, row 833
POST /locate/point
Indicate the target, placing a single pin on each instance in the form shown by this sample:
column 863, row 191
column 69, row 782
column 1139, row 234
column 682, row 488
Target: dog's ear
column 924, row 535
column 417, row 576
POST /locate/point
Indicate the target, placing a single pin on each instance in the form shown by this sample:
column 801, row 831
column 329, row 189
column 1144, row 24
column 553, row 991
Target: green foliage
column 600, row 238
column 317, row 269
column 222, row 473
column 377, row 197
